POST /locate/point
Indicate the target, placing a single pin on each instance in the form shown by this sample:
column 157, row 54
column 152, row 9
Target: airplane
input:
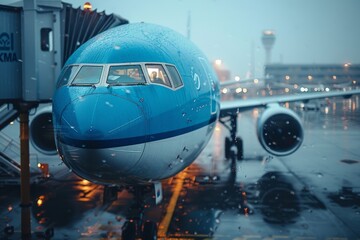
column 138, row 103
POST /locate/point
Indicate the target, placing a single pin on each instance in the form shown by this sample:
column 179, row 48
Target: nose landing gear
column 135, row 227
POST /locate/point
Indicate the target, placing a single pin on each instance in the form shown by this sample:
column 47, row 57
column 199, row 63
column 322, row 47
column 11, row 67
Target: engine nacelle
column 42, row 132
column 279, row 130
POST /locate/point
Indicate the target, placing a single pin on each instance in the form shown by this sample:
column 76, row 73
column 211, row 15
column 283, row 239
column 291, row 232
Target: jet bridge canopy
column 36, row 39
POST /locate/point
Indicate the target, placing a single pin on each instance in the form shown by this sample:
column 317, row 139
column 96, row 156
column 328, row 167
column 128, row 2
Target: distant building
column 315, row 75
column 268, row 40
column 222, row 73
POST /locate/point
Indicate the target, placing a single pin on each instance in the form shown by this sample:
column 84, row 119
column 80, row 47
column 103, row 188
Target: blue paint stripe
column 110, row 143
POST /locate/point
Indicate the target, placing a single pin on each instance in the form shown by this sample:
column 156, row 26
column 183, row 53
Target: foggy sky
column 307, row 31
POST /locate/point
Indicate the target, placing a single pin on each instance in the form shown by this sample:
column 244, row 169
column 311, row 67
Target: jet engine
column 42, row 132
column 279, row 130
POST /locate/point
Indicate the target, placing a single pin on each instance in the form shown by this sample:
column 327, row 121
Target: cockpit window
column 88, row 75
column 157, row 74
column 175, row 76
column 125, row 75
column 66, row 75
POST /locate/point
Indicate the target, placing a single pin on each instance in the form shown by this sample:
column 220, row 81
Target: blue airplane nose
column 100, row 134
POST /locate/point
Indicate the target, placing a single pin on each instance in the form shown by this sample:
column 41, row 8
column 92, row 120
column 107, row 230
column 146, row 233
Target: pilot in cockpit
column 154, row 78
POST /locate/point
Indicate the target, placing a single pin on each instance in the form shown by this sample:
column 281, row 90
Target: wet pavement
column 311, row 194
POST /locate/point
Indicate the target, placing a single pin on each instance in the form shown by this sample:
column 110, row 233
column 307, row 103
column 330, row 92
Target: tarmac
column 311, row 194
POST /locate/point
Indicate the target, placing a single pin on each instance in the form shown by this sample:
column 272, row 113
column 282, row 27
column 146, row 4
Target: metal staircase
column 8, row 113
column 9, row 162
column 9, row 171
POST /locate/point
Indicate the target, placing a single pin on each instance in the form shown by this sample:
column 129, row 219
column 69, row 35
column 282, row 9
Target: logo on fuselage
column 196, row 79
column 7, row 53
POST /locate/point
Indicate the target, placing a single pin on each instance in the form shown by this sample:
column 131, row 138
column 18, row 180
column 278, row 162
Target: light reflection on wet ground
column 312, row 194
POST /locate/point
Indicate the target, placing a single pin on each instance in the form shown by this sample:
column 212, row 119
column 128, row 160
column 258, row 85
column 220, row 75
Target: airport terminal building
column 325, row 75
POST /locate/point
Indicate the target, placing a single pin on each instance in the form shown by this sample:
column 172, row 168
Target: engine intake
column 42, row 132
column 280, row 131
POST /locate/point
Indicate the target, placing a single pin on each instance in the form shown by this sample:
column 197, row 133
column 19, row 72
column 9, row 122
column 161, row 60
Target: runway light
column 87, row 6
column 304, row 89
column 238, row 90
column 44, row 168
column 225, row 90
column 246, row 211
column 218, row 62
column 40, row 201
column 237, row 78
column 85, row 182
column 326, row 110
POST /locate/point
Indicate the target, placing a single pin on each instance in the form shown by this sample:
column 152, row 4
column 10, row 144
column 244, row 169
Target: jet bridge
column 36, row 39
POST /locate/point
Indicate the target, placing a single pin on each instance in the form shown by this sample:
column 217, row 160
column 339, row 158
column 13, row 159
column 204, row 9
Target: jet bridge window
column 125, row 75
column 88, row 75
column 67, row 74
column 157, row 74
column 46, row 36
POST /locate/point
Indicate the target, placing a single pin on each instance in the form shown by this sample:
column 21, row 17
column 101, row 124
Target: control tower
column 268, row 40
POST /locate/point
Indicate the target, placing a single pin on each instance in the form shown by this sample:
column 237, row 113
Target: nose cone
column 102, row 136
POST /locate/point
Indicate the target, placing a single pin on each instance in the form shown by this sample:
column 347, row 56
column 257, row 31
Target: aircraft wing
column 236, row 106
column 232, row 82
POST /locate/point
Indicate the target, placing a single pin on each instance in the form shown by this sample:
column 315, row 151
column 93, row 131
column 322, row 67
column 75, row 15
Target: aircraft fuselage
column 148, row 122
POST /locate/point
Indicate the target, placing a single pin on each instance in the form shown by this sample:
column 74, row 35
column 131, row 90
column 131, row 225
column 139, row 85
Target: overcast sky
column 307, row 31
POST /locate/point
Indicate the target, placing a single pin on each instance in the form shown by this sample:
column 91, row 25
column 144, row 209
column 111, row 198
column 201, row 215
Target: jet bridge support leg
column 25, row 204
column 233, row 141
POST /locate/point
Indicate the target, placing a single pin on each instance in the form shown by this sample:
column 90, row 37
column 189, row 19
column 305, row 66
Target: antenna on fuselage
column 189, row 25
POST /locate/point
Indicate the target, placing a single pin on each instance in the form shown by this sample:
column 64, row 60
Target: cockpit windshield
column 66, row 75
column 161, row 74
column 157, row 74
column 125, row 75
column 88, row 75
